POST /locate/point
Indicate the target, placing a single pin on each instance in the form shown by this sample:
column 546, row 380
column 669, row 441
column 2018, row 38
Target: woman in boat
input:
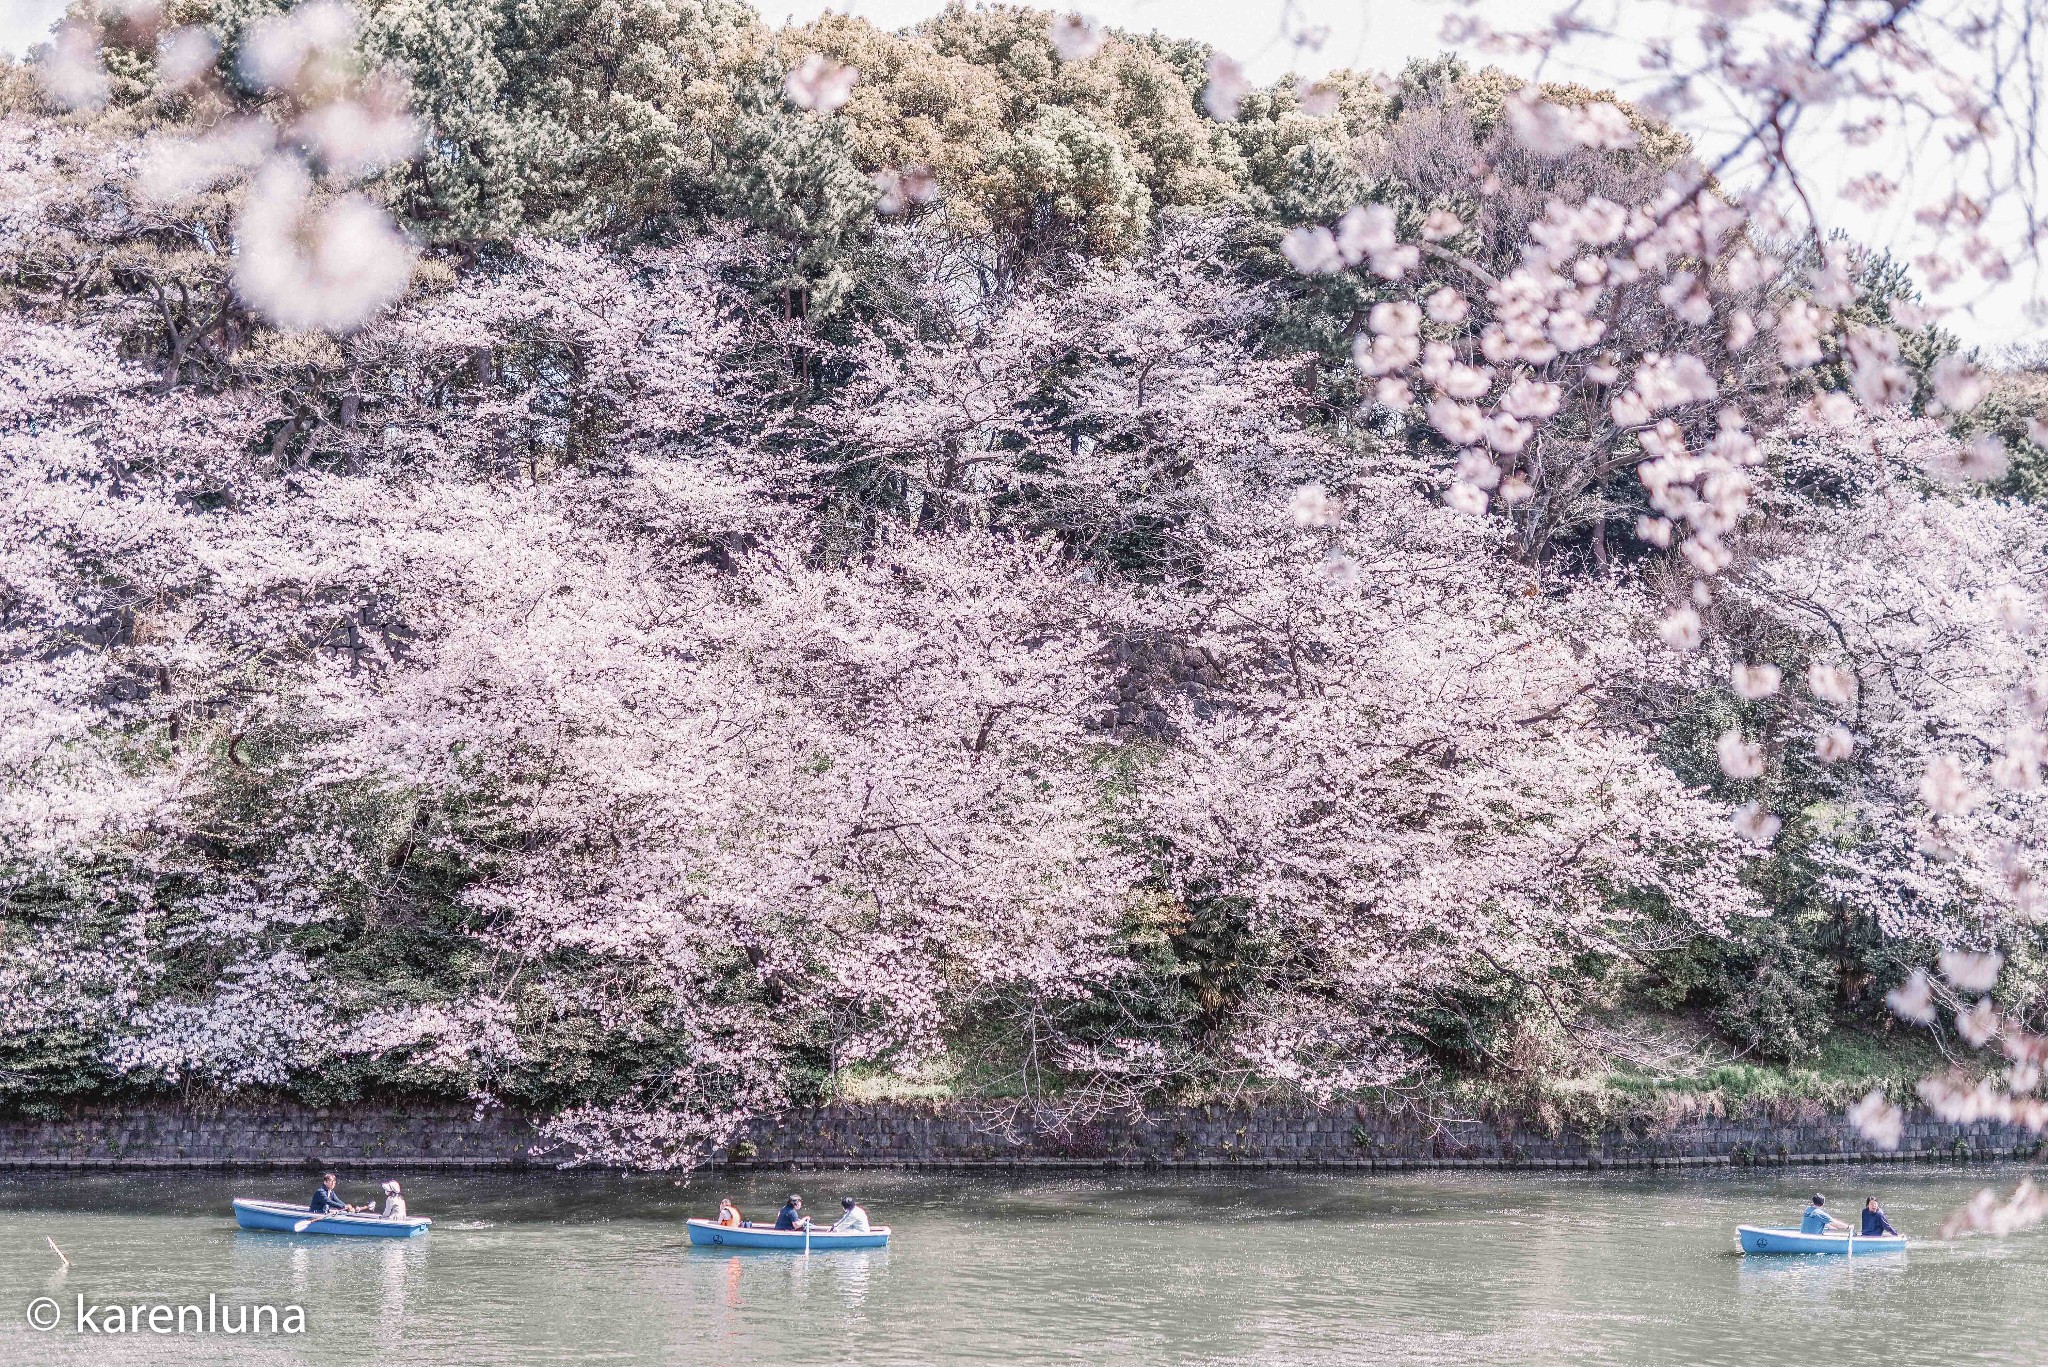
column 1874, row 1222
column 728, row 1214
column 1818, row 1221
column 792, row 1216
column 394, row 1203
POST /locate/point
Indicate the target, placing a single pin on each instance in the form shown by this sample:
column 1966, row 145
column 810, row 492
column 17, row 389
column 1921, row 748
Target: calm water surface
column 1423, row 1268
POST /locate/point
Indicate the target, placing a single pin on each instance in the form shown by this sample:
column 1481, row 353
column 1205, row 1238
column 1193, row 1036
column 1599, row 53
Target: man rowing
column 1816, row 1220
column 327, row 1201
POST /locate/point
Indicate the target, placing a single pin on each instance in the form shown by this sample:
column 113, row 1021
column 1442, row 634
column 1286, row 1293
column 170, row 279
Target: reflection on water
column 1130, row 1269
column 1819, row 1282
column 391, row 1301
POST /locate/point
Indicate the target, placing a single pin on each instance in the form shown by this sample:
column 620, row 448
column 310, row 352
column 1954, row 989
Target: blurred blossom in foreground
column 1466, row 498
column 1958, row 383
column 1831, row 683
column 904, row 189
column 1913, row 1000
column 1739, row 758
column 302, row 51
column 351, row 137
column 1980, row 460
column 1075, row 37
column 1944, row 787
column 1756, row 825
column 1312, row 506
column 70, row 71
column 1340, row 571
column 184, row 56
column 1318, row 101
column 820, row 84
column 1227, row 85
column 1834, row 745
column 1877, row 1120
column 329, row 268
column 1753, row 682
column 175, row 169
column 1979, row 1025
column 1681, row 630
column 1551, row 130
column 2027, row 1207
column 1312, row 251
column 1969, row 972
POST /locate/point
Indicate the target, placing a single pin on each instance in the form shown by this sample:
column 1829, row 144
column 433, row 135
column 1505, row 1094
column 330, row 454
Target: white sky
column 1382, row 35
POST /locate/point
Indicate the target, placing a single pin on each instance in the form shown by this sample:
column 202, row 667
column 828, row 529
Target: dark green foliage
column 1765, row 988
column 1883, row 286
column 790, row 174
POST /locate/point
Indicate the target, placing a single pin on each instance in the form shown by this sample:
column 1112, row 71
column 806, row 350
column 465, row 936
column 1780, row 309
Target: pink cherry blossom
column 304, row 265
column 1227, row 85
column 1075, row 37
column 819, row 84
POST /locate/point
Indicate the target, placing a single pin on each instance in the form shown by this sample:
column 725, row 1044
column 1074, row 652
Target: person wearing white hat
column 394, row 1204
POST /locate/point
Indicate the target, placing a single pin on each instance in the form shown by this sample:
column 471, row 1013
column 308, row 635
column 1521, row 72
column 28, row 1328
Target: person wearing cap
column 394, row 1203
column 1818, row 1221
column 853, row 1221
column 792, row 1216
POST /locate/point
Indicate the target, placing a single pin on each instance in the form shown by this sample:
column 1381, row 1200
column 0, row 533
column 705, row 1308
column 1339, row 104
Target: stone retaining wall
column 1342, row 1137
column 242, row 1133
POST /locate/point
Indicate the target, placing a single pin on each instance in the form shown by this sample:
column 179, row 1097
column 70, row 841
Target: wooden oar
column 300, row 1227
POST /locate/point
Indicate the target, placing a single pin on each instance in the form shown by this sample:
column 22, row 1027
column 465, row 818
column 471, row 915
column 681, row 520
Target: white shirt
column 855, row 1221
column 394, row 1207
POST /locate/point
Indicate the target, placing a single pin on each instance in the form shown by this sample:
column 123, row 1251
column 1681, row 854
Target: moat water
column 1126, row 1269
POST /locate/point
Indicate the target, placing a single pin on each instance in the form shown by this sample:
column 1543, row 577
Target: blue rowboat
column 1758, row 1240
column 711, row 1234
column 291, row 1219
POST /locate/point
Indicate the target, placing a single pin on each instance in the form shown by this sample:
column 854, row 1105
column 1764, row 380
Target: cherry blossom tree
column 1404, row 772
column 501, row 595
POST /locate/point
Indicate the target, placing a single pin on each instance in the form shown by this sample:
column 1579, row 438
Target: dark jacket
column 787, row 1217
column 325, row 1200
column 1875, row 1223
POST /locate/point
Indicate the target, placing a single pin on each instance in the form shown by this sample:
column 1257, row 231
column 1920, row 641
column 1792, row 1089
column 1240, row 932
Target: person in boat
column 729, row 1215
column 1874, row 1222
column 394, row 1202
column 853, row 1221
column 327, row 1201
column 1816, row 1220
column 792, row 1216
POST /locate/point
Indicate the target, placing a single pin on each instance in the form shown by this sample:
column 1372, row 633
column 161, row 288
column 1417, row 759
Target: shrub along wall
column 206, row 1133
